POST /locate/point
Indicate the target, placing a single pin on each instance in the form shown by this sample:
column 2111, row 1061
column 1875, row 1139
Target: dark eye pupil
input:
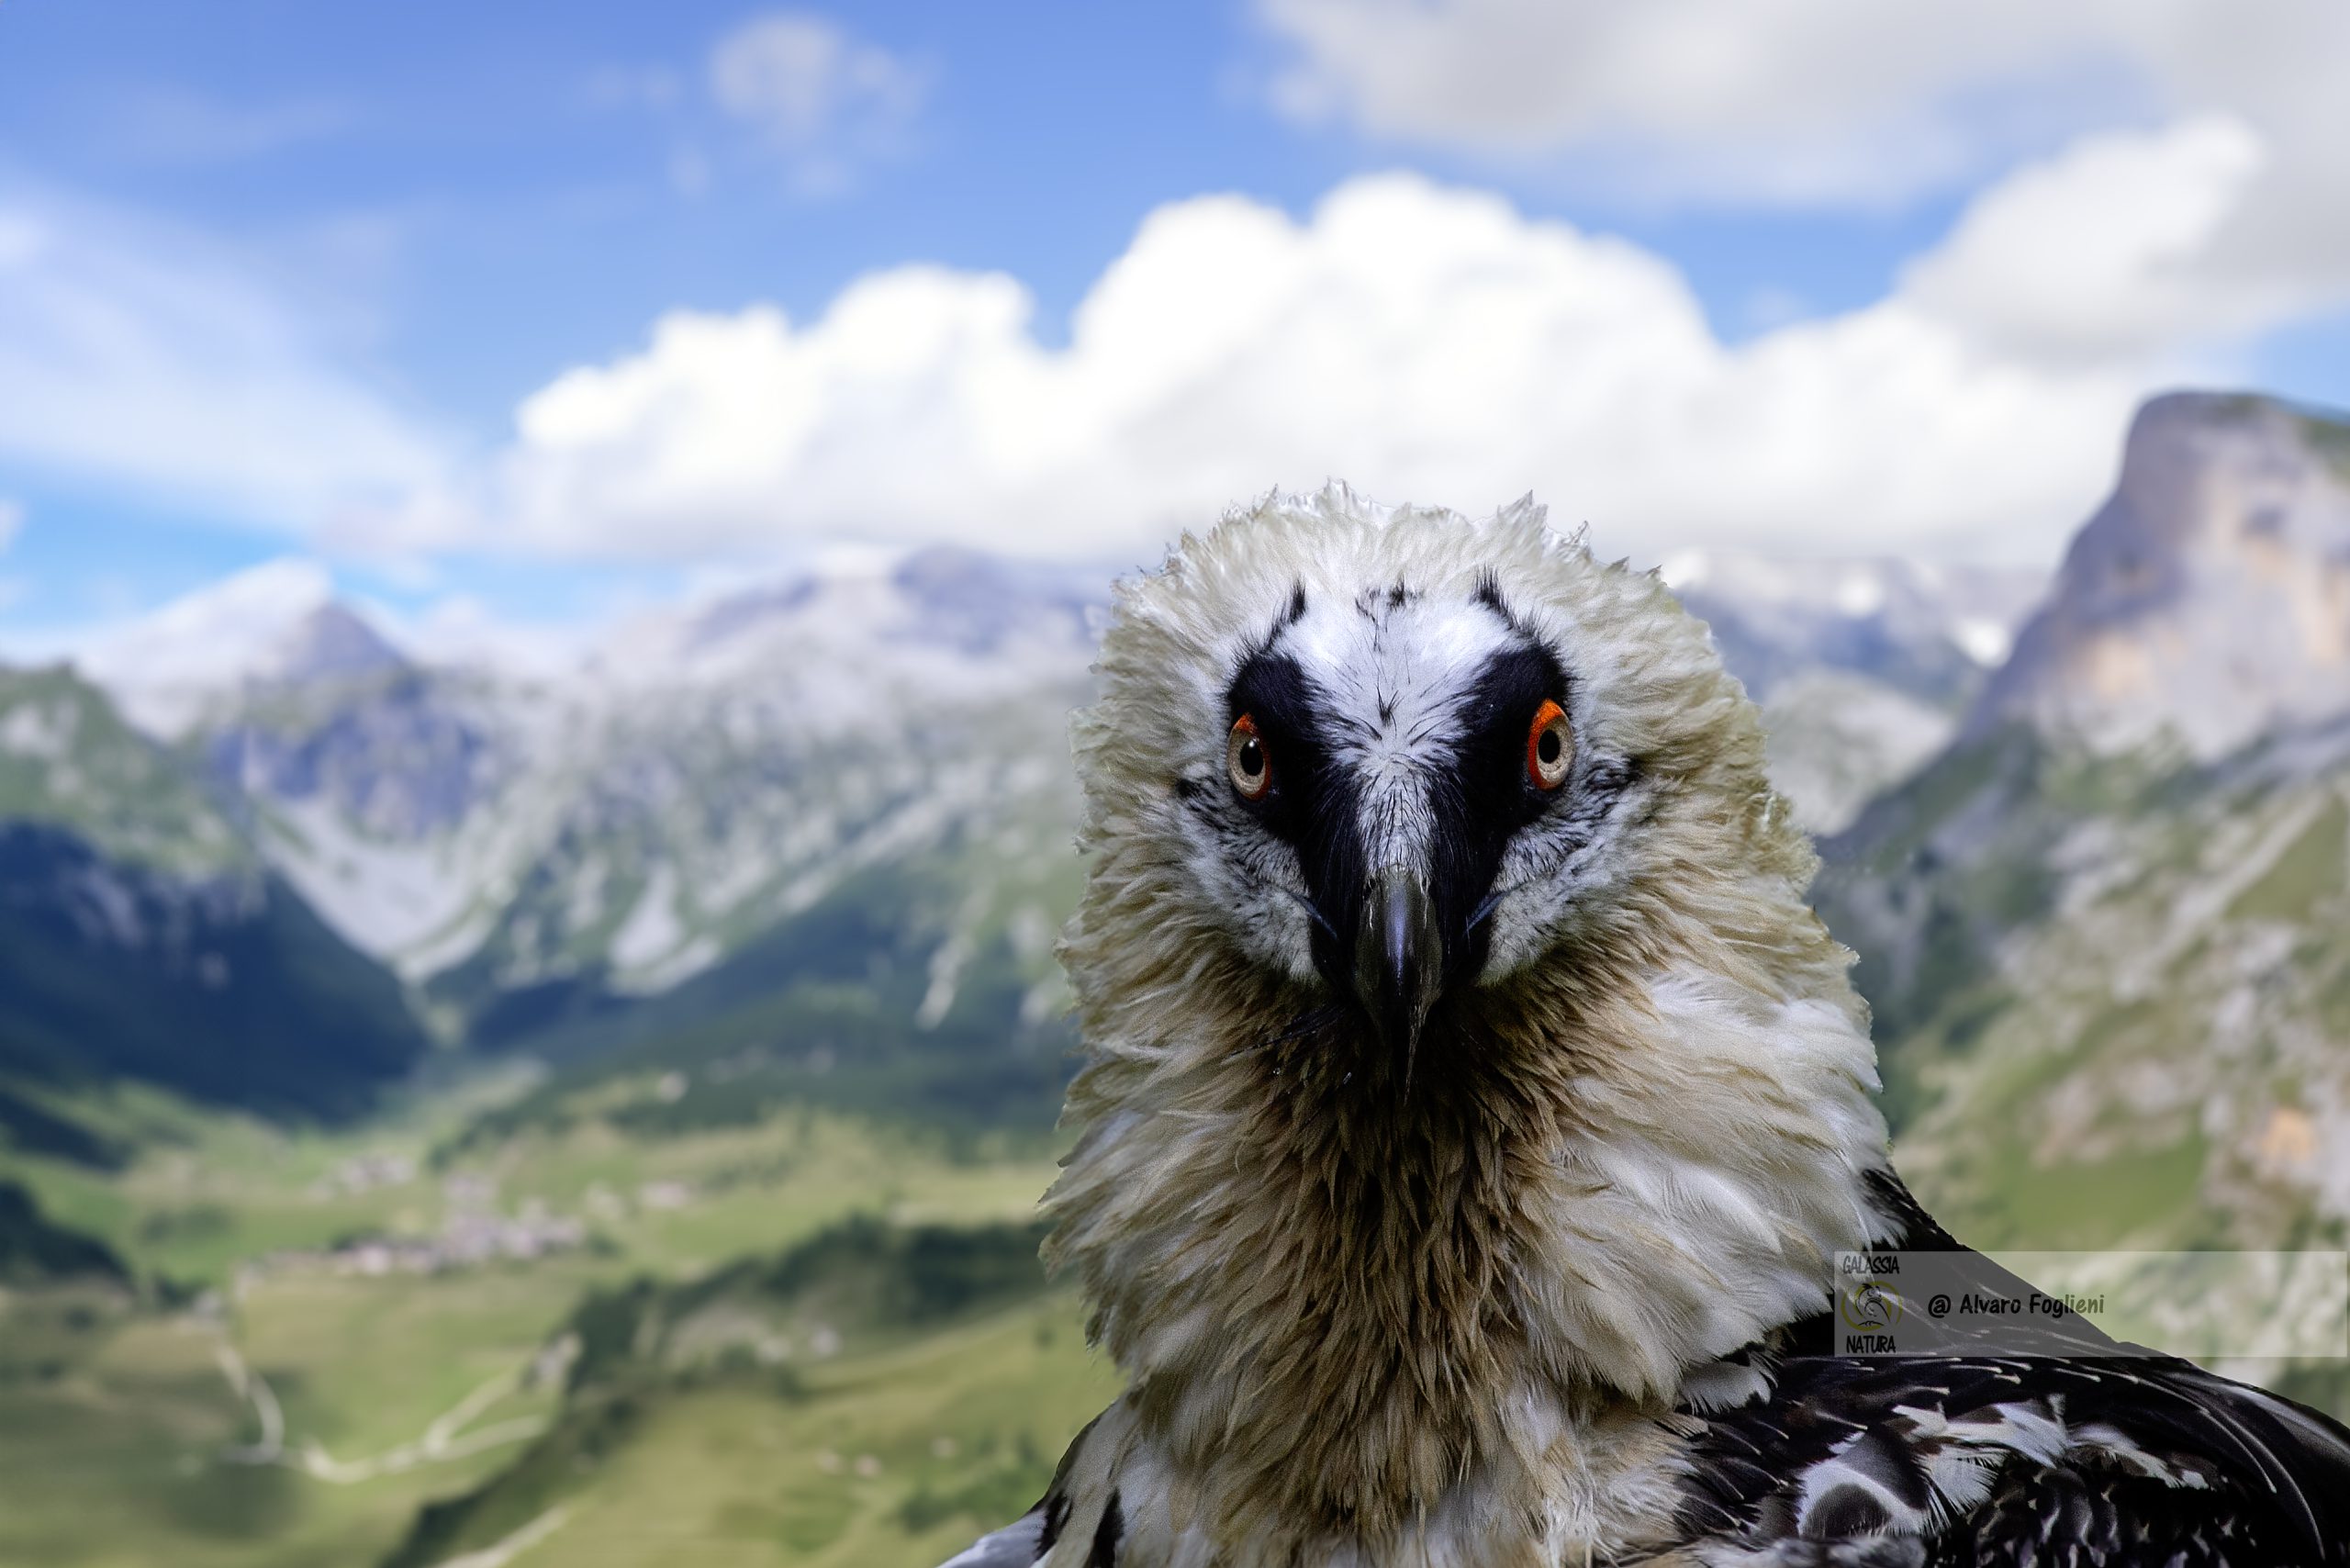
column 1252, row 758
column 1547, row 748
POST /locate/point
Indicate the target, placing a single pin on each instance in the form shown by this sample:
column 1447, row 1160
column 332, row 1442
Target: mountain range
column 824, row 818
column 833, row 807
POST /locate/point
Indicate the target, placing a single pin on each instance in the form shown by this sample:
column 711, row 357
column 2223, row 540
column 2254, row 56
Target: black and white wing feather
column 2109, row 1463
column 2102, row 1456
column 1017, row 1545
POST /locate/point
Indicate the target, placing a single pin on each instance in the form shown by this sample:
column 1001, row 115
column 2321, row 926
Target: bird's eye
column 1549, row 747
column 1246, row 759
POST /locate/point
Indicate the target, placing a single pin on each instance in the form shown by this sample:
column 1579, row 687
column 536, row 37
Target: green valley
column 327, row 1332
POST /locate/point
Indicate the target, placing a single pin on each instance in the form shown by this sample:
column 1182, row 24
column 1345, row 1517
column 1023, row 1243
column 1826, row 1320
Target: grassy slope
column 113, row 1425
column 114, row 1420
column 36, row 1249
column 867, row 1396
column 892, row 1460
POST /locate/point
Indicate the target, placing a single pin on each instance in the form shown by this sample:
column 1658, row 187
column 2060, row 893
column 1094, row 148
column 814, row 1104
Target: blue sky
column 288, row 276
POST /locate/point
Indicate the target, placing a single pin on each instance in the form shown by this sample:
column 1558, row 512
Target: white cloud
column 1761, row 99
column 823, row 101
column 1757, row 101
column 1423, row 342
column 12, row 519
column 2105, row 248
column 141, row 354
column 2192, row 178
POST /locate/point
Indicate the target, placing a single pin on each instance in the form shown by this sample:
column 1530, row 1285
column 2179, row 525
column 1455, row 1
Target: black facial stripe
column 1482, row 797
column 1313, row 805
column 1479, row 795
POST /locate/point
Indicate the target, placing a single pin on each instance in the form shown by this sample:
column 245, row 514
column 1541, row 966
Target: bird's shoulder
column 1928, row 1462
column 2094, row 1452
column 1018, row 1545
column 2114, row 1460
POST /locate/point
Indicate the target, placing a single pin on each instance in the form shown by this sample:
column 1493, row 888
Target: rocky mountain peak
column 330, row 643
column 2208, row 598
column 1930, row 629
column 274, row 627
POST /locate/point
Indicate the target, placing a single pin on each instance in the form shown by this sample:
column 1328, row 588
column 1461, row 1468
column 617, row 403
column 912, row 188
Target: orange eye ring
column 1549, row 747
column 1247, row 761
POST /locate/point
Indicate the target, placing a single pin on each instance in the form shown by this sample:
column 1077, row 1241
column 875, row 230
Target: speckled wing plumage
column 2112, row 1463
column 2108, row 1458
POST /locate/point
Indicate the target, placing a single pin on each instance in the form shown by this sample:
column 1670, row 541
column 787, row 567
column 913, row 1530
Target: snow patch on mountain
column 276, row 625
column 385, row 898
column 1923, row 628
column 851, row 649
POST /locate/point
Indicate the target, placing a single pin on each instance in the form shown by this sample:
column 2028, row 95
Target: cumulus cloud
column 1750, row 102
column 1762, row 99
column 1421, row 341
column 2104, row 248
column 823, row 101
column 141, row 354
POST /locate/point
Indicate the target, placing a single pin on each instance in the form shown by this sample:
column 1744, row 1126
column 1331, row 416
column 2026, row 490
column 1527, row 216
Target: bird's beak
column 1399, row 957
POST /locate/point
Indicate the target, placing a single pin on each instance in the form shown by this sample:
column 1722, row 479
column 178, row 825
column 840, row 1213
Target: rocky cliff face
column 2209, row 599
column 2103, row 932
column 69, row 760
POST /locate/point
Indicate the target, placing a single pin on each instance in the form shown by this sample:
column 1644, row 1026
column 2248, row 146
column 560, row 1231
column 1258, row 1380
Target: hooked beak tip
column 1399, row 956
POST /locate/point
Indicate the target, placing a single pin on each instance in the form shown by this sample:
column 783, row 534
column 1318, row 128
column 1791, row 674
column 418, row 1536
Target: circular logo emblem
column 1867, row 1306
